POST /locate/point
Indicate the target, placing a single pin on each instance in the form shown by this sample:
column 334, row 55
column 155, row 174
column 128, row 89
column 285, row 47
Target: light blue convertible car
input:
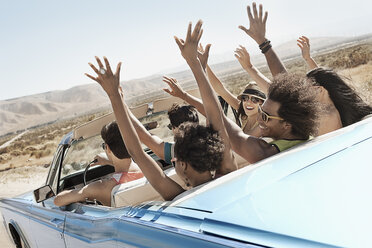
column 317, row 194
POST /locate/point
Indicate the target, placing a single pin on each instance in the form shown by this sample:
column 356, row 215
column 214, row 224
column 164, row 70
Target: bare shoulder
column 256, row 149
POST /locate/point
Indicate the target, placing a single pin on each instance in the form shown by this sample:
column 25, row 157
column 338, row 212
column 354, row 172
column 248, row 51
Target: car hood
column 27, row 197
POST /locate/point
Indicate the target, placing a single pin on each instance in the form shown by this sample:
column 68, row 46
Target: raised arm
column 153, row 142
column 221, row 90
column 212, row 107
column 244, row 59
column 257, row 31
column 177, row 91
column 304, row 44
column 215, row 82
column 167, row 188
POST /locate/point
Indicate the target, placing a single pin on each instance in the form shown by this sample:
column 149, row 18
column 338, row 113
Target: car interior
column 86, row 143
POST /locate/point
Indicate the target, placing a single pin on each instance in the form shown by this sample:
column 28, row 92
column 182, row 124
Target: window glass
column 80, row 154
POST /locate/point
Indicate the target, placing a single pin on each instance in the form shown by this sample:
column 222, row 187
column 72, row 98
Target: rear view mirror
column 43, row 193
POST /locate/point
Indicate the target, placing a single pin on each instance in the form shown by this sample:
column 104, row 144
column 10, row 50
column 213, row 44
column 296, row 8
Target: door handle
column 58, row 223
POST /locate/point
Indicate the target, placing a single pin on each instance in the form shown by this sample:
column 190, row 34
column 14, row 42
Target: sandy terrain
column 17, row 181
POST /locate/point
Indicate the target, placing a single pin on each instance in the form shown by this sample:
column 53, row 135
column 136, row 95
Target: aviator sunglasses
column 254, row 99
column 266, row 117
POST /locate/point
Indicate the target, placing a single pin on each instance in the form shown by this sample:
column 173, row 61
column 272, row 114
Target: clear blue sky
column 46, row 44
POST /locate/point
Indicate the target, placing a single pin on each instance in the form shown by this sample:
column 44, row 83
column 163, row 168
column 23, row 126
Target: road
column 10, row 141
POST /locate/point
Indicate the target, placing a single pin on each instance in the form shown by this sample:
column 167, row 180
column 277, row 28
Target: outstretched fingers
column 199, row 35
column 244, row 29
column 255, row 15
column 118, row 67
column 207, row 48
column 260, row 12
column 200, row 48
column 243, row 48
column 94, row 68
column 239, row 53
column 249, row 12
column 99, row 62
column 188, row 34
column 108, row 67
column 306, row 39
column 91, row 77
column 171, row 83
column 167, row 80
column 179, row 42
column 265, row 17
column 168, row 91
column 197, row 32
column 302, row 43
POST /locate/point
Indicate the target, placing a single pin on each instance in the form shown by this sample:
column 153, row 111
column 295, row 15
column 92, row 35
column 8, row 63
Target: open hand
column 243, row 57
column 189, row 46
column 203, row 55
column 110, row 82
column 257, row 24
column 176, row 89
column 304, row 44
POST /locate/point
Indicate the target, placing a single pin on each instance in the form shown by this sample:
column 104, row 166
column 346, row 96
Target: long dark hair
column 348, row 103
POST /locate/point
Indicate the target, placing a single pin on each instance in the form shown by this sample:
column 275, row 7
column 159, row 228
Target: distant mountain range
column 28, row 111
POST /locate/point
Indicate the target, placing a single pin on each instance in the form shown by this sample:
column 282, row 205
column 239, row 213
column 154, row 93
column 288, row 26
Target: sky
column 46, row 44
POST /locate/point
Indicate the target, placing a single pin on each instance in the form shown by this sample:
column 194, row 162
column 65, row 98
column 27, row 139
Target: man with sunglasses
column 288, row 116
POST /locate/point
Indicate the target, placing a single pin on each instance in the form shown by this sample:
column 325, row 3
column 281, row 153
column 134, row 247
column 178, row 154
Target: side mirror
column 43, row 193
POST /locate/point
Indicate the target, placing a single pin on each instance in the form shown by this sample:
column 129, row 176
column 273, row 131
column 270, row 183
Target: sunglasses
column 266, row 117
column 254, row 99
column 103, row 145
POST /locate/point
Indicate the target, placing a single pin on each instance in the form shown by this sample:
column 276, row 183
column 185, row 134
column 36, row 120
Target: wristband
column 266, row 48
column 263, row 44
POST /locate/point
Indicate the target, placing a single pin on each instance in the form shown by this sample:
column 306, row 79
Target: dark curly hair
column 297, row 103
column 111, row 135
column 199, row 146
column 348, row 103
column 179, row 114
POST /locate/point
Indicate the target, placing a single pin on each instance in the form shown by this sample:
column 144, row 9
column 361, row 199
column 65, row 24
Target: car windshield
column 80, row 154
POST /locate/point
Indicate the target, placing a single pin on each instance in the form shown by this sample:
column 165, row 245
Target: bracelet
column 266, row 48
column 263, row 44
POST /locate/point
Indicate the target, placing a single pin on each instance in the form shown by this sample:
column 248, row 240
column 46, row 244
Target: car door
column 90, row 226
column 47, row 222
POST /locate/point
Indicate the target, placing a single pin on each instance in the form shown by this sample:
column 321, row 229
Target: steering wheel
column 89, row 202
column 86, row 170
